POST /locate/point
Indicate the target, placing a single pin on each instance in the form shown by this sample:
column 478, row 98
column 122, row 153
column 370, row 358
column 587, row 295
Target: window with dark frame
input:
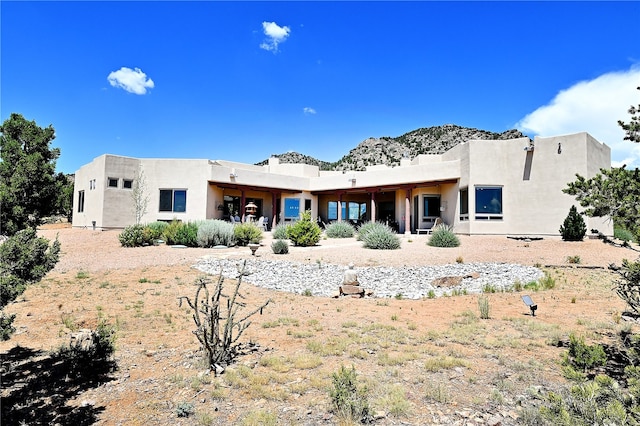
column 173, row 200
column 488, row 202
column 464, row 204
column 80, row 201
column 127, row 183
column 113, row 183
column 431, row 206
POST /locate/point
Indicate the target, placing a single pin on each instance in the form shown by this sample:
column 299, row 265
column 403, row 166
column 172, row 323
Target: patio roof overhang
column 347, row 190
column 383, row 188
column 246, row 187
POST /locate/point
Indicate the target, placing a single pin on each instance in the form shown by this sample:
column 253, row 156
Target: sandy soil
column 95, row 251
column 389, row 342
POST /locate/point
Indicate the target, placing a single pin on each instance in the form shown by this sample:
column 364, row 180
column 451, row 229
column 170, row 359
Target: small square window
column 113, row 182
column 127, row 184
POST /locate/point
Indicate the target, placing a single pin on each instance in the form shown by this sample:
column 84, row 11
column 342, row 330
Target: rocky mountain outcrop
column 389, row 150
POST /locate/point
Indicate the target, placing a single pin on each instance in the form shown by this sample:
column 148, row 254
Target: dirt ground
column 430, row 361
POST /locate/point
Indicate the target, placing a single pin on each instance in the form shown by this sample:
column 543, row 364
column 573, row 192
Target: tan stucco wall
column 531, row 181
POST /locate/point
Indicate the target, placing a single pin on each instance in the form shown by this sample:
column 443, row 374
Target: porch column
column 407, row 212
column 339, row 206
column 274, row 209
column 373, row 206
column 243, row 201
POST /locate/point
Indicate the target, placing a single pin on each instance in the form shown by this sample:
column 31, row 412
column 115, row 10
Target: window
column 488, row 202
column 431, row 206
column 113, row 182
column 357, row 211
column 173, row 200
column 92, row 184
column 464, row 204
column 350, row 210
column 127, row 183
column 291, row 208
column 80, row 201
column 332, row 210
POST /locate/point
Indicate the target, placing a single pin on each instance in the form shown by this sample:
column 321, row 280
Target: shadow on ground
column 37, row 385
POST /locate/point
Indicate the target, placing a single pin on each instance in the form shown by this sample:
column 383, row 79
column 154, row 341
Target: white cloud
column 133, row 81
column 592, row 106
column 275, row 35
column 308, row 110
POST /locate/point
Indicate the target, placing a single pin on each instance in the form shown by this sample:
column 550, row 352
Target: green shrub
column 582, row 356
column 185, row 409
column 381, row 238
column 280, row 247
column 247, row 233
column 573, row 228
column 369, row 226
column 622, row 234
column 349, row 401
column 170, row 232
column 187, row 234
column 281, row 231
column 442, row 236
column 547, row 282
column 25, row 258
column 215, row 232
column 134, row 236
column 305, row 232
column 483, row 305
column 156, row 229
column 340, row 229
column 628, row 285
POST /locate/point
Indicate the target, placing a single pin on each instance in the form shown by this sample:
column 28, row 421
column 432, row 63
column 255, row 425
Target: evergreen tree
column 28, row 184
column 573, row 228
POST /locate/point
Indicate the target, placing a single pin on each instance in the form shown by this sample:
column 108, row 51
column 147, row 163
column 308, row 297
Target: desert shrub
column 583, row 357
column 442, row 236
column 281, row 231
column 220, row 317
column 170, row 233
column 628, row 285
column 247, row 233
column 622, row 233
column 547, row 282
column 381, row 238
column 304, row 232
column 575, row 259
column 369, row 226
column 181, row 233
column 596, row 402
column 483, row 305
column 280, row 247
column 187, row 234
column 349, row 401
column 134, row 236
column 156, row 229
column 93, row 358
column 25, row 258
column 215, row 232
column 185, row 409
column 340, row 229
column 573, row 228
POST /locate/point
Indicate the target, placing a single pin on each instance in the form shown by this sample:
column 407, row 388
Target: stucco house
column 504, row 187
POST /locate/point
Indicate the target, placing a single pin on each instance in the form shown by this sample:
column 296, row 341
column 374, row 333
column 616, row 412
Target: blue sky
column 243, row 80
